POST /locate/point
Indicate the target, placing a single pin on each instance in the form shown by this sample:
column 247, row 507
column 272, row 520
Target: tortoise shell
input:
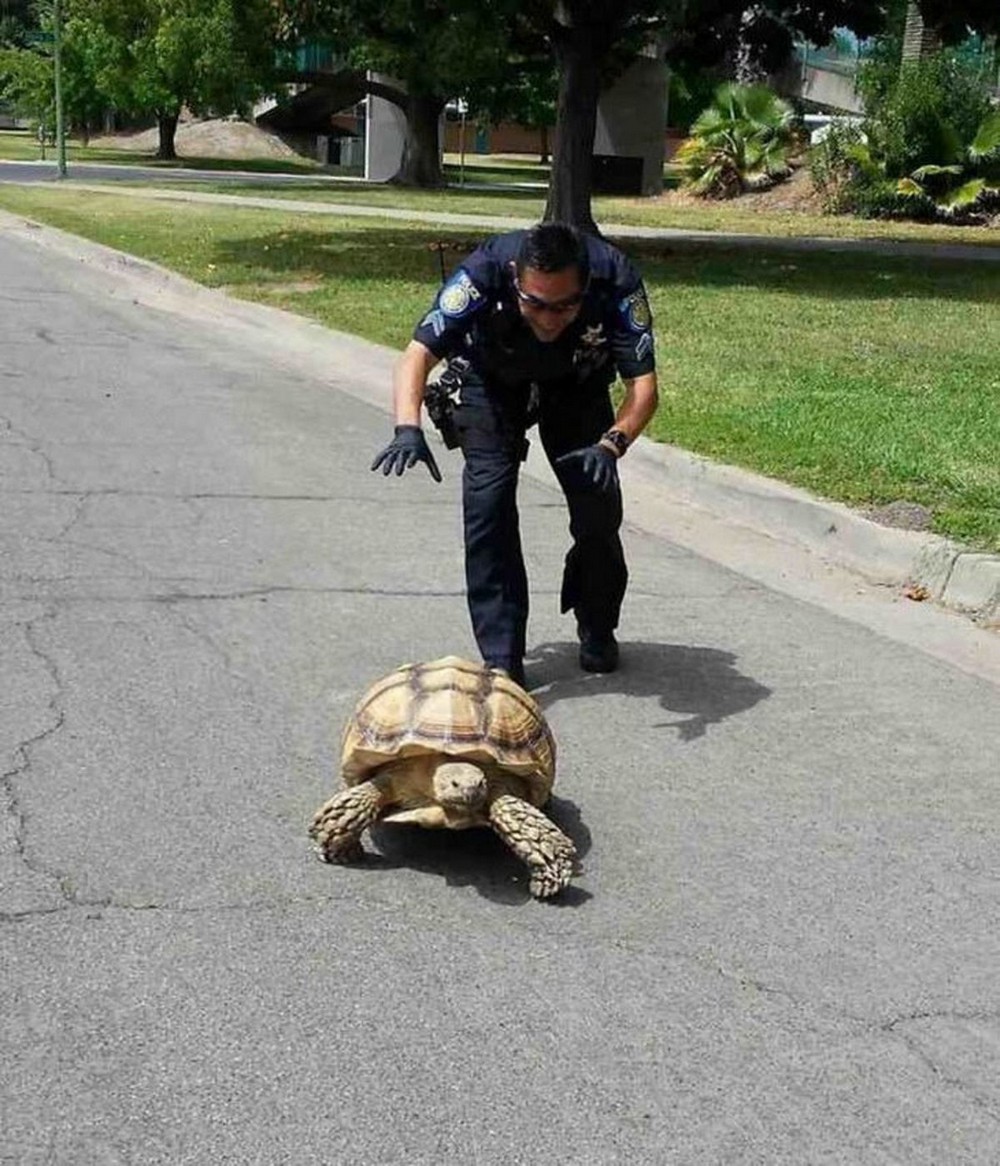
column 453, row 707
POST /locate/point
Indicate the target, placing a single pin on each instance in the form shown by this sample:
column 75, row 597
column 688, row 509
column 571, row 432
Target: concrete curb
column 933, row 567
column 930, row 566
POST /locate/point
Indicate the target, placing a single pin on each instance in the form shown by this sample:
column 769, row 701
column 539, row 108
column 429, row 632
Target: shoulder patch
column 434, row 320
column 459, row 296
column 635, row 311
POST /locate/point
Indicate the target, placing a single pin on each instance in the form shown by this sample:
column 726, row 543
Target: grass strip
column 737, row 217
column 484, row 194
column 867, row 380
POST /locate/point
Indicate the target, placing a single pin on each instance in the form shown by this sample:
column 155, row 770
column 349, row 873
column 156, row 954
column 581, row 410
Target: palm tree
column 740, row 142
column 955, row 188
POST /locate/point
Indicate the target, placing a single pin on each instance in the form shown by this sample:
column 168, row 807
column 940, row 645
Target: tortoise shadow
column 700, row 686
column 477, row 858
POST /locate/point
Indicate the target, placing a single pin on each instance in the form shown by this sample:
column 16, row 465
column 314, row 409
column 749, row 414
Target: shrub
column 961, row 190
column 739, row 142
column 928, row 148
column 851, row 180
column 833, row 166
column 927, row 118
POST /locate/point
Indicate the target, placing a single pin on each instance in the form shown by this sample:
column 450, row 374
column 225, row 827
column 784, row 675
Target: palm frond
column 987, row 139
column 964, row 197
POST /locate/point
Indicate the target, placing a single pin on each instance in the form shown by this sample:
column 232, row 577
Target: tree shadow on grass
column 413, row 255
column 363, row 254
column 840, row 275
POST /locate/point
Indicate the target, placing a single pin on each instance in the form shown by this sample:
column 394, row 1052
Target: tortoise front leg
column 550, row 855
column 338, row 824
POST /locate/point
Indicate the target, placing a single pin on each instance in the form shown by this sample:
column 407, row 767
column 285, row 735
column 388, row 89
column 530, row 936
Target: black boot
column 513, row 668
column 598, row 650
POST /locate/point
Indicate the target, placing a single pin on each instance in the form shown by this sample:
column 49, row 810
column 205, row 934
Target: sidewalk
column 972, row 253
column 664, row 485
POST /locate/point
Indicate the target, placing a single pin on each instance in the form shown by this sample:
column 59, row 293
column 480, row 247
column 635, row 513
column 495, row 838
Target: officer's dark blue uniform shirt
column 476, row 316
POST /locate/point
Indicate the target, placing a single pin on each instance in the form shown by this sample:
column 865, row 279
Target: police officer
column 534, row 325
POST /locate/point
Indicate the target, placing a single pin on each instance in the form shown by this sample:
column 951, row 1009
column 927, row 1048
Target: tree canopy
column 156, row 57
column 427, row 51
column 16, row 22
column 952, row 20
column 587, row 37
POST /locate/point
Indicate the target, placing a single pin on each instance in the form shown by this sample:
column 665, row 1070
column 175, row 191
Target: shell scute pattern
column 449, row 706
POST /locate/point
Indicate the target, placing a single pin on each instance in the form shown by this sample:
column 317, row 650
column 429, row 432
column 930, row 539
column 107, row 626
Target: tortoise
column 448, row 743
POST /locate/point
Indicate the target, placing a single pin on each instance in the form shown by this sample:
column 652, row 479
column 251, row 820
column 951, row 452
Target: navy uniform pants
column 491, row 424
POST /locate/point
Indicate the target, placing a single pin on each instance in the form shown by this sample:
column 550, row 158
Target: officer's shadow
column 698, row 687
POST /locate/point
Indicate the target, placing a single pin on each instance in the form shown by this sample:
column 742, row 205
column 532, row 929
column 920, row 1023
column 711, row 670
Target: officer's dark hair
column 552, row 247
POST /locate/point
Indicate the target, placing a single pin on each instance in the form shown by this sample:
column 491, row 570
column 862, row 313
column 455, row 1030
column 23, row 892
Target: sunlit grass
column 21, row 146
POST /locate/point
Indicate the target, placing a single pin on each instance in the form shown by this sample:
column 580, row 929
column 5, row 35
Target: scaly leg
column 338, row 824
column 550, row 855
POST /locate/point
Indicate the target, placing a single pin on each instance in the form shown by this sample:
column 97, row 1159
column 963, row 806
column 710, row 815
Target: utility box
column 616, row 174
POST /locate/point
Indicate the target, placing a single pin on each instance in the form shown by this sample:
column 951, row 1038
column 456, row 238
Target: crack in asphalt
column 340, row 499
column 23, row 756
column 215, row 648
column 95, row 909
column 895, row 1028
column 33, row 446
column 295, row 589
column 174, row 598
column 77, row 516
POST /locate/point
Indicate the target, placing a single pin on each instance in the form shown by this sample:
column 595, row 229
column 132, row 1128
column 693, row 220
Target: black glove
column 596, row 464
column 406, row 449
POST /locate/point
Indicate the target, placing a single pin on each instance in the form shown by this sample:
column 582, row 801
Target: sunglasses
column 540, row 305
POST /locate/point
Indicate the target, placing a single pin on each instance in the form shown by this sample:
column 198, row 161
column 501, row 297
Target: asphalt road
column 94, row 172
column 784, row 946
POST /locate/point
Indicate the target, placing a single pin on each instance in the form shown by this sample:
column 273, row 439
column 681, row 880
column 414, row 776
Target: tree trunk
column 543, row 145
column 167, row 125
column 919, row 40
column 747, row 69
column 578, row 50
column 421, row 164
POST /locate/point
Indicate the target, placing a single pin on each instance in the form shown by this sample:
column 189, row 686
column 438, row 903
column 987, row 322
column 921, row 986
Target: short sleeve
column 465, row 294
column 632, row 332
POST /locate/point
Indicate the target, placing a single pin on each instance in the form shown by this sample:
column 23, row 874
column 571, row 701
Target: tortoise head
column 459, row 785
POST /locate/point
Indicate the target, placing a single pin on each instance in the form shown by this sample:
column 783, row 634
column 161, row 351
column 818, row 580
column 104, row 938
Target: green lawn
column 730, row 217
column 868, row 380
column 476, row 197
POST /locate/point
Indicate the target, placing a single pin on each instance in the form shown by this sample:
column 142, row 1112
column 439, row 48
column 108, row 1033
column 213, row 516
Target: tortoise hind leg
column 550, row 855
column 338, row 824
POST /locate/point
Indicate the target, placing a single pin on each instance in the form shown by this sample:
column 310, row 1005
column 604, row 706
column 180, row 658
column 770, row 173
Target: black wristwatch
column 616, row 439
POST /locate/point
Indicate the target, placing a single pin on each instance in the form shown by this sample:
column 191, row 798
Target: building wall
column 505, row 138
column 508, row 138
column 833, row 90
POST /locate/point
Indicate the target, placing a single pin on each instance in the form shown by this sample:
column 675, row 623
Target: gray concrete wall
column 385, row 133
column 632, row 118
column 830, row 88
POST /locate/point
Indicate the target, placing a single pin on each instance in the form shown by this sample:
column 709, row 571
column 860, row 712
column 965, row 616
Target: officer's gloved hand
column 406, row 449
column 596, row 464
